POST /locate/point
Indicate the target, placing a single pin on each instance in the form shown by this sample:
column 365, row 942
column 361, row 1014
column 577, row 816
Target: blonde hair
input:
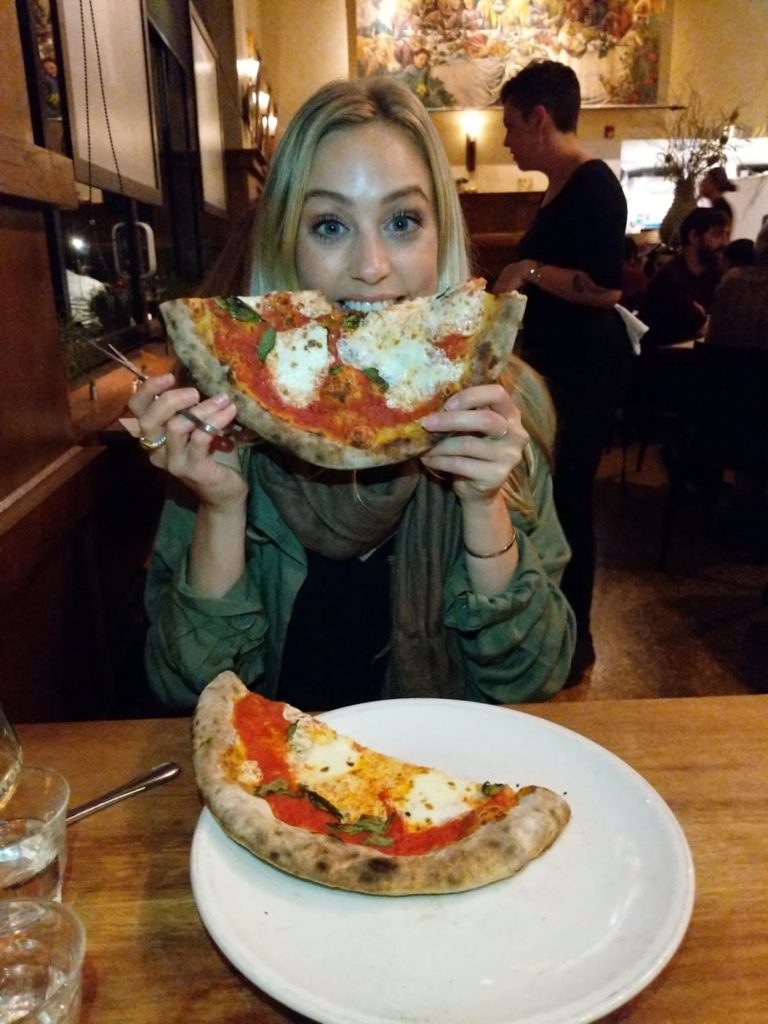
column 347, row 104
column 337, row 106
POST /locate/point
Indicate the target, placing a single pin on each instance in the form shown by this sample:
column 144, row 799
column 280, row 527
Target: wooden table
column 149, row 958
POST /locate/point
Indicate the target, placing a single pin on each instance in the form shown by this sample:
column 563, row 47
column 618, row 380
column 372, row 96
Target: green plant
column 696, row 139
column 78, row 354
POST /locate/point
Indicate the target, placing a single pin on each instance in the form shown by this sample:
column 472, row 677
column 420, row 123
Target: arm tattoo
column 582, row 285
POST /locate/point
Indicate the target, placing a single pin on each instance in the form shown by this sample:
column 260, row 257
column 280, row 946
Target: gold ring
column 152, row 444
column 499, row 437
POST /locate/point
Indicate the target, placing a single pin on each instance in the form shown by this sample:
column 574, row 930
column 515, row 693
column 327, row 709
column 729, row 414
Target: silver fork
column 117, row 356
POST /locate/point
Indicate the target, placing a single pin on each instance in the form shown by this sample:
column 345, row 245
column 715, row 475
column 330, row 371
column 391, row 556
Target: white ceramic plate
column 576, row 934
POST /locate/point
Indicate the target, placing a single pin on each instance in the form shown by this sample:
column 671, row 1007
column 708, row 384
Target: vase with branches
column 695, row 140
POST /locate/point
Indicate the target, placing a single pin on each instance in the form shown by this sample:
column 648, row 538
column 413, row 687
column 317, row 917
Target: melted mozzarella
column 365, row 783
column 395, row 343
column 434, row 798
column 298, row 363
column 311, row 304
column 318, row 755
column 249, row 774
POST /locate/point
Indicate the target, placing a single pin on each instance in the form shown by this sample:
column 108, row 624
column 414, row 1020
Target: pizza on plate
column 337, row 386
column 321, row 806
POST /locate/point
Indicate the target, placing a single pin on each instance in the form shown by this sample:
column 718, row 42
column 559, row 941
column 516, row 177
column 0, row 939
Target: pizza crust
column 493, row 346
column 492, row 852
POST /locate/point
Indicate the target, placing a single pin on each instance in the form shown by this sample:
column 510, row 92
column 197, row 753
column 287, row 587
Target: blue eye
column 328, row 227
column 405, row 221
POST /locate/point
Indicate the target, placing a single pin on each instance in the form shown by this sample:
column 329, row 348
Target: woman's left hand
column 485, row 441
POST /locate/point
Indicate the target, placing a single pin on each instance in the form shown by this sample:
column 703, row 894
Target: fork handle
column 154, row 777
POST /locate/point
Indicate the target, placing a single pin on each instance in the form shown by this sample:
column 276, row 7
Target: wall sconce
column 471, row 124
column 249, row 69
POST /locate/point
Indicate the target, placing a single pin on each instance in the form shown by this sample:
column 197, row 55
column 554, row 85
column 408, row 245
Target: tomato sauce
column 237, row 341
column 453, row 345
column 263, row 730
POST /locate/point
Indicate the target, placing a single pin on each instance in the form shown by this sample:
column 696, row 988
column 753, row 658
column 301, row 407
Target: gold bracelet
column 495, row 554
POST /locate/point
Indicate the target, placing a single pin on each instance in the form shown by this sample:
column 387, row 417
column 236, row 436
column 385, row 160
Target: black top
column 337, row 645
column 582, row 228
column 675, row 303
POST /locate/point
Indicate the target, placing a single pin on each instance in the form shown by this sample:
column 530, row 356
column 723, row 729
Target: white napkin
column 634, row 326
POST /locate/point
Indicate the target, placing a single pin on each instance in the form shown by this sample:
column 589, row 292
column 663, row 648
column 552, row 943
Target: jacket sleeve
column 517, row 645
column 192, row 639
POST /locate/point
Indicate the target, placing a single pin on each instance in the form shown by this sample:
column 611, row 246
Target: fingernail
column 450, row 404
column 427, row 422
column 221, row 399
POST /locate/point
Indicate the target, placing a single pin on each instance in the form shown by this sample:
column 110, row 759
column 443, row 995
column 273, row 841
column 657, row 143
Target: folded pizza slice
column 336, row 386
column 321, row 806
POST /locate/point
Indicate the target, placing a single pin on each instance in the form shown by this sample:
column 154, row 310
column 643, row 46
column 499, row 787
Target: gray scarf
column 344, row 515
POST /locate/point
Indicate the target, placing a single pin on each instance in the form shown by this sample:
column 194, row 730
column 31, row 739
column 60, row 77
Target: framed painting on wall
column 458, row 53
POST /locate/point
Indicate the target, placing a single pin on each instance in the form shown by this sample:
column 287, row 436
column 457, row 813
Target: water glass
column 42, row 945
column 33, row 842
column 10, row 758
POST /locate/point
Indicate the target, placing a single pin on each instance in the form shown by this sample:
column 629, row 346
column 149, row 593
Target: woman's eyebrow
column 339, row 197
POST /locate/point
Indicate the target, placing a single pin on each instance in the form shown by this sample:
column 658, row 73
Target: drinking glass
column 33, row 842
column 10, row 758
column 42, row 945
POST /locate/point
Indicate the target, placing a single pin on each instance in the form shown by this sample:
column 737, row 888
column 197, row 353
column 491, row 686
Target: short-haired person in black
column 679, row 295
column 713, row 187
column 570, row 267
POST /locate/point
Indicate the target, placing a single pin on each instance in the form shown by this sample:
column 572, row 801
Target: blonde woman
column 435, row 577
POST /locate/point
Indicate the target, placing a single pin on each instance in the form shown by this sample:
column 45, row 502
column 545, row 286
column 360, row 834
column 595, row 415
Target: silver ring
column 150, row 444
column 201, row 424
column 499, row 437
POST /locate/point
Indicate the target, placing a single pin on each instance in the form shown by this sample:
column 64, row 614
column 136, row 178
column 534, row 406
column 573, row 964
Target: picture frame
column 457, row 54
column 109, row 97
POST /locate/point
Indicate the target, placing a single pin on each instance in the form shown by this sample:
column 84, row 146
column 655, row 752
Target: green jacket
column 516, row 646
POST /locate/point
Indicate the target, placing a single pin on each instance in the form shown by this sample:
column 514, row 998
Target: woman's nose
column 370, row 259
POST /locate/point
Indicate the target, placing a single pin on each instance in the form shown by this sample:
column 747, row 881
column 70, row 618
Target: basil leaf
column 335, row 369
column 275, row 786
column 238, row 309
column 378, row 841
column 365, row 823
column 267, row 343
column 373, row 375
column 352, row 320
column 491, row 788
column 291, row 730
column 321, row 803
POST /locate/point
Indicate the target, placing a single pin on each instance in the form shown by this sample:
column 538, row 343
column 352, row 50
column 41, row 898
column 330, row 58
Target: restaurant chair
column 655, row 392
column 723, row 426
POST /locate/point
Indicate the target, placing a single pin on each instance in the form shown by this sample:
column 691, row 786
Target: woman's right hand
column 187, row 453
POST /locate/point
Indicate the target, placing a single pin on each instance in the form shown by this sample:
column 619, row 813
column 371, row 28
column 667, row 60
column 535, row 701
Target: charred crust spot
column 381, row 866
column 274, row 856
column 321, row 867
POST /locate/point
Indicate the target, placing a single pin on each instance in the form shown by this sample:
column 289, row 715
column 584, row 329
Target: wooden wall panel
column 496, row 222
column 14, row 107
column 35, row 424
column 53, row 657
